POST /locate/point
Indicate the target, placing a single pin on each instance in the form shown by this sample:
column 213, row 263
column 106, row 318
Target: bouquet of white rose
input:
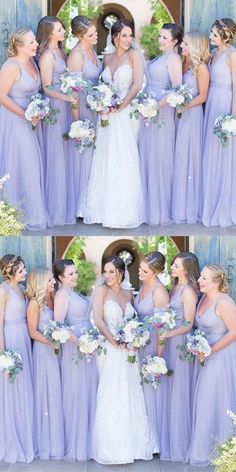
column 225, row 460
column 89, row 343
column 10, row 364
column 146, row 106
column 180, row 95
column 56, row 333
column 153, row 367
column 163, row 319
column 196, row 343
column 134, row 335
column 103, row 98
column 11, row 219
column 71, row 83
column 225, row 128
column 40, row 107
column 83, row 134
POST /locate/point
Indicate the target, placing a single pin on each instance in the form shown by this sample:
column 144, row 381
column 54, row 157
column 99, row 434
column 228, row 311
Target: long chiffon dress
column 49, row 427
column 20, row 154
column 16, row 399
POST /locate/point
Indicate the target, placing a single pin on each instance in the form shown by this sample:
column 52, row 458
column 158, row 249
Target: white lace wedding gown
column 114, row 196
column 121, row 430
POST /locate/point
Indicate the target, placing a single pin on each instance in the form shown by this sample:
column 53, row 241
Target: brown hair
column 155, row 261
column 80, row 25
column 16, row 40
column 191, row 267
column 177, row 32
column 118, row 263
column 226, row 28
column 59, row 266
column 44, row 30
column 9, row 265
column 219, row 275
column 117, row 27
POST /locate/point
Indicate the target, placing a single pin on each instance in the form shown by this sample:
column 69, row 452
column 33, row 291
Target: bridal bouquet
column 10, row 364
column 83, row 134
column 89, row 343
column 40, row 107
column 146, row 106
column 103, row 98
column 11, row 219
column 196, row 343
column 134, row 335
column 71, row 83
column 180, row 95
column 164, row 319
column 56, row 333
column 225, row 460
column 153, row 367
column 225, row 128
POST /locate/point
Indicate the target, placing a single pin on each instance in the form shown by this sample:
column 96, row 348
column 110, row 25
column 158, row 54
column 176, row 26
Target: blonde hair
column 44, row 31
column 219, row 276
column 199, row 50
column 80, row 25
column 16, row 40
column 37, row 284
column 9, row 265
column 155, row 261
column 226, row 28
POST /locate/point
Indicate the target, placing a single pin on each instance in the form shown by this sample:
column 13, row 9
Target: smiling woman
column 19, row 80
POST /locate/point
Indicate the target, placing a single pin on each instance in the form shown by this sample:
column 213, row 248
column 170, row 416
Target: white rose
column 175, row 99
column 229, row 125
column 60, row 335
column 6, row 362
column 148, row 111
column 89, row 347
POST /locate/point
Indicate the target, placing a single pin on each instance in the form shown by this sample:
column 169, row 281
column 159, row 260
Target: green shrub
column 150, row 32
column 86, row 269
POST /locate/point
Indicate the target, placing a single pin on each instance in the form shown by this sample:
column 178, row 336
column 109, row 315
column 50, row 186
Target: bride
column 114, row 196
column 121, row 430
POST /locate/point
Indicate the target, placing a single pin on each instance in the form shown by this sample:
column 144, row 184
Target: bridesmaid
column 49, row 427
column 79, row 380
column 20, row 154
column 216, row 316
column 59, row 185
column 152, row 294
column 16, row 399
column 219, row 168
column 176, row 407
column 189, row 139
column 84, row 59
column 156, row 144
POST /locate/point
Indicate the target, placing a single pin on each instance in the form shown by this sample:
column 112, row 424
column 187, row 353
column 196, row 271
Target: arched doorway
column 111, row 12
column 126, row 249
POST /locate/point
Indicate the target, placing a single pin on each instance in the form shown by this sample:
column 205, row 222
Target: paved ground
column 81, row 229
column 139, row 466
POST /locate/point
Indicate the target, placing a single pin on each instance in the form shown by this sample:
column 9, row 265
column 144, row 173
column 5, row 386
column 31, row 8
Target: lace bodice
column 113, row 314
column 122, row 78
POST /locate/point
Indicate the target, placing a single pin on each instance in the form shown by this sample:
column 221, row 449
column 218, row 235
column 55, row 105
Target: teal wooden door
column 199, row 15
column 17, row 14
column 217, row 250
column 36, row 251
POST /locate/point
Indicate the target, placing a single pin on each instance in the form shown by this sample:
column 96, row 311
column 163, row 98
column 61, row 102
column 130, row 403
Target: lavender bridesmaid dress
column 49, row 427
column 219, row 166
column 188, row 160
column 79, row 385
column 16, row 399
column 156, row 146
column 83, row 162
column 20, row 154
column 176, row 407
column 215, row 391
column 145, row 309
column 59, row 178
